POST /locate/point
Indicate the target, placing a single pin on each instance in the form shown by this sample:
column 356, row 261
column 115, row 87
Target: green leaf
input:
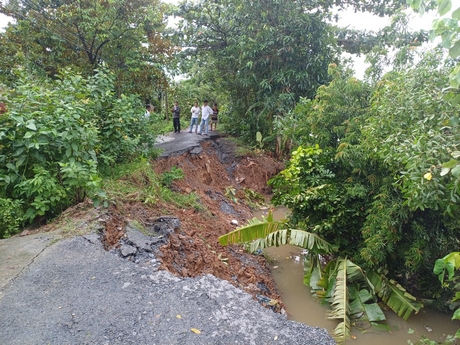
column 339, row 304
column 28, row 135
column 450, row 270
column 444, row 171
column 415, row 4
column 456, row 297
column 381, row 326
column 31, row 125
column 450, row 165
column 456, row 315
column 21, row 160
column 362, row 310
column 374, row 312
column 456, row 14
column 255, row 229
column 266, row 233
column 456, row 154
column 439, row 266
column 313, row 279
column 394, row 295
column 456, row 171
column 454, row 51
column 12, row 167
column 457, row 334
column 444, row 6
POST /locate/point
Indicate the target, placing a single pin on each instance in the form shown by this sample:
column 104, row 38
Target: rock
column 261, row 286
column 127, row 250
column 196, row 150
column 165, row 225
column 24, row 233
column 227, row 208
column 138, row 239
column 234, row 222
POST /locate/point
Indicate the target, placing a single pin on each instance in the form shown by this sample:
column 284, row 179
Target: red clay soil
column 196, row 249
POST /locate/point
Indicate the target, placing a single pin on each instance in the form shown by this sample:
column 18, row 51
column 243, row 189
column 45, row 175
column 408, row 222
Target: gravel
column 75, row 292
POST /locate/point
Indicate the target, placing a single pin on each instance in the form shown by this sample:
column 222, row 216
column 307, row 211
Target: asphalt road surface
column 75, row 292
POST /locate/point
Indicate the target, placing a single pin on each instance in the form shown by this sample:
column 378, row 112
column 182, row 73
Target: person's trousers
column 194, row 122
column 204, row 123
column 176, row 123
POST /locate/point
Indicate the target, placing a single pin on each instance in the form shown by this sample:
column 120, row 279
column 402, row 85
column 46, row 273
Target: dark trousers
column 176, row 123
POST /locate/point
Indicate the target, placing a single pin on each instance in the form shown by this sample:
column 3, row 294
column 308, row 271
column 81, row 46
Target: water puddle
column 287, row 271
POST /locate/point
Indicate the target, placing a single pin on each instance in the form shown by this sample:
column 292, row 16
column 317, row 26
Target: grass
column 138, row 182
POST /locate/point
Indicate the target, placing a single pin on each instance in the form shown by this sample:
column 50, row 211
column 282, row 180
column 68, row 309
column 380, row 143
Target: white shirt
column 195, row 112
column 205, row 112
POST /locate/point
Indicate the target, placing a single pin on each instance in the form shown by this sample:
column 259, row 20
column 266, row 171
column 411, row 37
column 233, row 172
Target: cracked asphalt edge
column 75, row 292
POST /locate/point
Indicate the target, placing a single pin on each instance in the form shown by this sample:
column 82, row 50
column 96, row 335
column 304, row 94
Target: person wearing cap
column 206, row 111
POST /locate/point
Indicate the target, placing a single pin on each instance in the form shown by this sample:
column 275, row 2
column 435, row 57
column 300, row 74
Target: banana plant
column 449, row 264
column 351, row 292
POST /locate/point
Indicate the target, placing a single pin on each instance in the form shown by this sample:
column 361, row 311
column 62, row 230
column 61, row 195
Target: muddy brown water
column 287, row 271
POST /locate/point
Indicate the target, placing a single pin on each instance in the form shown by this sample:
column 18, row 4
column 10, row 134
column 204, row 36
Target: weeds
column 174, row 174
column 139, row 182
column 230, row 193
column 254, row 199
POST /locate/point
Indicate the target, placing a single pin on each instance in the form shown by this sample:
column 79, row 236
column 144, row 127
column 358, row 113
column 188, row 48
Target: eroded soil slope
column 210, row 172
column 195, row 249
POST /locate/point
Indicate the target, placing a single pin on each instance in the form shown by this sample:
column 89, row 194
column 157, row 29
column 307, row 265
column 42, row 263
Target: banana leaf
column 394, row 295
column 363, row 305
column 340, row 306
column 268, row 233
column 299, row 238
column 253, row 230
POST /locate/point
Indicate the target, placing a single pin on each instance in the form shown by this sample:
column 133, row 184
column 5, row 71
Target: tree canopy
column 270, row 53
column 126, row 36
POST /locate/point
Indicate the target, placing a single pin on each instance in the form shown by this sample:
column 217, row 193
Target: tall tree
column 126, row 36
column 269, row 52
column 272, row 52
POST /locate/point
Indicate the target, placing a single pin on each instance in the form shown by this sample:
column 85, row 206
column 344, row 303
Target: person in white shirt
column 148, row 109
column 205, row 112
column 195, row 114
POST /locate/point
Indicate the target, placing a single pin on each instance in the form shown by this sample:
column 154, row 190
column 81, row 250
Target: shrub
column 56, row 135
column 11, row 217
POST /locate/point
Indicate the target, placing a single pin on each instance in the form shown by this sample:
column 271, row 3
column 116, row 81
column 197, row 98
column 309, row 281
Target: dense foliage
column 126, row 36
column 56, row 134
column 265, row 59
column 268, row 54
column 374, row 183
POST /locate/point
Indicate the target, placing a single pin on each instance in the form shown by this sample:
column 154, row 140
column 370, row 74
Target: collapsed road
column 74, row 291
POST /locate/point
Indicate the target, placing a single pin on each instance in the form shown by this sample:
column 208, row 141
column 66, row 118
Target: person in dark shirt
column 215, row 112
column 176, row 117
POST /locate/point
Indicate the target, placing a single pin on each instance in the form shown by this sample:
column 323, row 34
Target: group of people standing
column 206, row 113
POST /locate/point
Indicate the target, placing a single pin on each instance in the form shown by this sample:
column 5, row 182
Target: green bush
column 11, row 217
column 376, row 184
column 58, row 133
